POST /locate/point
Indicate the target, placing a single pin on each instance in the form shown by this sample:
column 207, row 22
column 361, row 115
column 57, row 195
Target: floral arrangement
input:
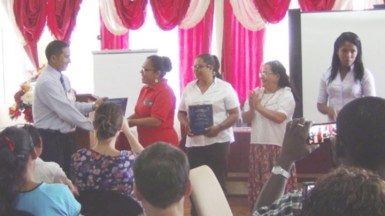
column 24, row 98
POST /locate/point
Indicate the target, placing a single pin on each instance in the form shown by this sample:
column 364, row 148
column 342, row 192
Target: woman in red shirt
column 155, row 107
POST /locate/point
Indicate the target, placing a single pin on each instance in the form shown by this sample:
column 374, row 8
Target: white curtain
column 111, row 18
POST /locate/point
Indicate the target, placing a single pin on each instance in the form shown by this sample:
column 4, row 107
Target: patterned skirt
column 262, row 158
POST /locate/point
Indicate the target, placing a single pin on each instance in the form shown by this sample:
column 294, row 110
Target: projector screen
column 312, row 39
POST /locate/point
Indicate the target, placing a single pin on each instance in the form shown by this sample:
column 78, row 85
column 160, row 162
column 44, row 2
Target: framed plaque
column 200, row 117
column 122, row 102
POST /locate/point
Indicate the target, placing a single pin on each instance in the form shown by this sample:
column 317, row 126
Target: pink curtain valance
column 169, row 13
column 61, row 17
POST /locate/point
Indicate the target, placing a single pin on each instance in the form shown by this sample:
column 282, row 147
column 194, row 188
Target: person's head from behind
column 15, row 150
column 360, row 139
column 155, row 68
column 36, row 138
column 346, row 192
column 274, row 73
column 347, row 52
column 108, row 120
column 58, row 55
column 161, row 175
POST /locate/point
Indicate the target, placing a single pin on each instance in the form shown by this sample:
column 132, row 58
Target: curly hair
column 347, row 192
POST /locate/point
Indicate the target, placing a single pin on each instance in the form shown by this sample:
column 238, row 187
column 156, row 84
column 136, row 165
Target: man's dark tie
column 62, row 82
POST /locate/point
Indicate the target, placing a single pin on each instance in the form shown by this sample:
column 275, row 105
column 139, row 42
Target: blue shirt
column 49, row 200
column 51, row 107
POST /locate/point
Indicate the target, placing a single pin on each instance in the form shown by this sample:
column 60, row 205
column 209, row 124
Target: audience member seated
column 103, row 167
column 17, row 188
column 346, row 192
column 360, row 142
column 162, row 180
column 48, row 172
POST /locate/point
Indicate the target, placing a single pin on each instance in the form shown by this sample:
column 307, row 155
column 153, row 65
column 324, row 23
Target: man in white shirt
column 55, row 112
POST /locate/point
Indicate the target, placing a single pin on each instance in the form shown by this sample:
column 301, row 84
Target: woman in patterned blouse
column 103, row 167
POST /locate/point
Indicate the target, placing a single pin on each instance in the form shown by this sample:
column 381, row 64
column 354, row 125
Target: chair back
column 103, row 203
column 207, row 194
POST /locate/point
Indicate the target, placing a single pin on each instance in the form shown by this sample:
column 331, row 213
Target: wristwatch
column 277, row 170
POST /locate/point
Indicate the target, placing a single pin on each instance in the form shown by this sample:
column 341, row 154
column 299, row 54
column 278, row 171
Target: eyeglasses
column 146, row 69
column 266, row 73
column 198, row 67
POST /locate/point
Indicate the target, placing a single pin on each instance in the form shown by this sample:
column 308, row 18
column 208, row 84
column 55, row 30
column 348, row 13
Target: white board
column 117, row 74
column 318, row 33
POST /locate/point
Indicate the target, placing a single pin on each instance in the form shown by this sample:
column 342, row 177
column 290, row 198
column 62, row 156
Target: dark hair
column 278, row 68
column 361, row 132
column 108, row 120
column 214, row 62
column 15, row 149
column 161, row 174
column 55, row 48
column 160, row 63
column 346, row 192
column 336, row 63
column 34, row 133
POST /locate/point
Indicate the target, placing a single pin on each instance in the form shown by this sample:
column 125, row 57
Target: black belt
column 52, row 131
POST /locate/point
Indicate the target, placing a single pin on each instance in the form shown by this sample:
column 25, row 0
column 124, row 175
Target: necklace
column 269, row 98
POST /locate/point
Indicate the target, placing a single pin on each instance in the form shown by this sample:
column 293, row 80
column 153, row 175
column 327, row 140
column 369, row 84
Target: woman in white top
column 267, row 110
column 346, row 79
column 212, row 147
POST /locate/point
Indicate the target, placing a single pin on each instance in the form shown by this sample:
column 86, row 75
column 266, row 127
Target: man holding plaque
column 208, row 108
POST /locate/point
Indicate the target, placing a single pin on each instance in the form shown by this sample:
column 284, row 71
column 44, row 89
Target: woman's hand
column 332, row 114
column 255, row 98
column 213, row 131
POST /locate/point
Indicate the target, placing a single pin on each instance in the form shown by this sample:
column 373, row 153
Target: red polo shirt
column 157, row 101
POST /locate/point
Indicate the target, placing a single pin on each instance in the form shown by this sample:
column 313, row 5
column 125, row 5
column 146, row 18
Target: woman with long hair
column 18, row 190
column 346, row 79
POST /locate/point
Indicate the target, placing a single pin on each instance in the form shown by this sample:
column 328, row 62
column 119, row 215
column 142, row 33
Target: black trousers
column 58, row 147
column 215, row 156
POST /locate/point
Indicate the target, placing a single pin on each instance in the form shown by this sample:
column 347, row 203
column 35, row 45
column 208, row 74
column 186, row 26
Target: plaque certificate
column 121, row 101
column 200, row 117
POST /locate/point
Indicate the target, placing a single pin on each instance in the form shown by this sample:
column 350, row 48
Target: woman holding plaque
column 347, row 78
column 155, row 107
column 209, row 107
column 267, row 110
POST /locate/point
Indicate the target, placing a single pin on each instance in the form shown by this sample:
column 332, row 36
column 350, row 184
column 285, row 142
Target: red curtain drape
column 61, row 17
column 111, row 41
column 272, row 11
column 169, row 13
column 242, row 53
column 30, row 18
column 132, row 13
column 316, row 5
column 193, row 42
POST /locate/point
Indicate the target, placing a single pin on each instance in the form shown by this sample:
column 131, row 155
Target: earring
column 156, row 80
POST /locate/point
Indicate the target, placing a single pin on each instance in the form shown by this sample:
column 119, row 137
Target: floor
column 238, row 204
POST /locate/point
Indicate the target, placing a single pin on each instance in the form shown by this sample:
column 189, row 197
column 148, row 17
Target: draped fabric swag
column 316, row 5
column 30, row 16
column 61, row 17
column 195, row 41
column 272, row 11
column 169, row 13
column 111, row 41
column 242, row 53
